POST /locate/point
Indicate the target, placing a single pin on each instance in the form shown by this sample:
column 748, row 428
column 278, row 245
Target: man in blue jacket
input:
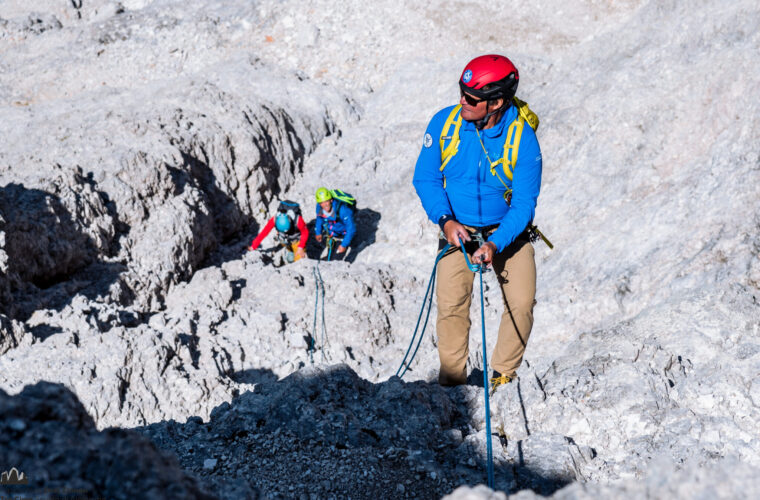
column 471, row 195
column 335, row 219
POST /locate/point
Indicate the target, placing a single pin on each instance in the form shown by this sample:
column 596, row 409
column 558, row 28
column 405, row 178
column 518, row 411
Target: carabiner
column 471, row 266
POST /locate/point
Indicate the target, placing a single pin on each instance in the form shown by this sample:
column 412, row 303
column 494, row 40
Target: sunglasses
column 471, row 100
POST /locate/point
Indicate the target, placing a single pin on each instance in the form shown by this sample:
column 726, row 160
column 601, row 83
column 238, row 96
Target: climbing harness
column 429, row 299
column 289, row 243
column 330, row 242
column 320, row 290
column 327, row 232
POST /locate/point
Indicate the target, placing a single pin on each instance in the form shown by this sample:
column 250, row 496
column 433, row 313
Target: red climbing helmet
column 490, row 77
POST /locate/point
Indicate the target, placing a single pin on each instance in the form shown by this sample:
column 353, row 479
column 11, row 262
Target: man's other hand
column 484, row 254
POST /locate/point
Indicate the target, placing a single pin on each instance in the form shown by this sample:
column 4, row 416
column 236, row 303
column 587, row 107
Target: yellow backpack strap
column 512, row 141
column 514, row 134
column 512, row 146
column 454, row 120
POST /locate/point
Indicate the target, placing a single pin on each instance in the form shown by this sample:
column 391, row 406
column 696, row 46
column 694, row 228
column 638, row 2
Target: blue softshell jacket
column 340, row 223
column 474, row 196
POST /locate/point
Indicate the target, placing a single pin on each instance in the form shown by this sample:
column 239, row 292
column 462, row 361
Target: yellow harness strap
column 448, row 152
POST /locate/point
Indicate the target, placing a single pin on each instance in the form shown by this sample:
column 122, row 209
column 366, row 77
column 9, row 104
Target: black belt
column 483, row 230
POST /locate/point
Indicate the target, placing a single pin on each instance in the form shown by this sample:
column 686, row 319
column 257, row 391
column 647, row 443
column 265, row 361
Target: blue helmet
column 282, row 222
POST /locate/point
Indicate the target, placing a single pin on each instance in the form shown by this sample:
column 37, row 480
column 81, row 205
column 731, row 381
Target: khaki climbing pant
column 515, row 268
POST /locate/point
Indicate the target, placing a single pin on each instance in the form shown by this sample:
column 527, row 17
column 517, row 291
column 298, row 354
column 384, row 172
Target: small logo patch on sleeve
column 428, row 140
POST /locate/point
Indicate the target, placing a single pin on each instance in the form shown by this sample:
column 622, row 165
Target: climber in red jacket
column 292, row 233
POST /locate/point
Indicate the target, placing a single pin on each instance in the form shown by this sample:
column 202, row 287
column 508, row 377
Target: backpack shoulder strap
column 454, row 120
column 339, row 204
column 512, row 146
column 514, row 135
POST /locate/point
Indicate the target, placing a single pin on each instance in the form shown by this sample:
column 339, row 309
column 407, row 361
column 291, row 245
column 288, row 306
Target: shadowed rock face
column 11, row 333
column 47, row 434
column 44, row 243
column 326, row 432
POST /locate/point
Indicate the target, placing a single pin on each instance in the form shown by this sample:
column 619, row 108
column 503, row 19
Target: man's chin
column 469, row 116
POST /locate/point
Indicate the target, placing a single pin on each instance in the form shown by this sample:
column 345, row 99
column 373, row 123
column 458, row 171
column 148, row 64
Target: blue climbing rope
column 314, row 327
column 479, row 268
column 320, row 287
column 329, row 248
column 324, row 328
column 429, row 299
column 485, row 380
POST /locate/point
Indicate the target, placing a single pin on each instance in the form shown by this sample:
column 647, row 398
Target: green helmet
column 323, row 194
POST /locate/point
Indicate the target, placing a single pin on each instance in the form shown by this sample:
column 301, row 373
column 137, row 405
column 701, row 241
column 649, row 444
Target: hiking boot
column 498, row 379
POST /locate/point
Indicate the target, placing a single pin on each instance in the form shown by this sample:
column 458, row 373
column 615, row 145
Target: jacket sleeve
column 263, row 234
column 304, row 232
column 428, row 178
column 526, row 184
column 318, row 221
column 347, row 217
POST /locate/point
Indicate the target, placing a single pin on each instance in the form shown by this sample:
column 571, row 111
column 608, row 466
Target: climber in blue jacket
column 471, row 185
column 335, row 219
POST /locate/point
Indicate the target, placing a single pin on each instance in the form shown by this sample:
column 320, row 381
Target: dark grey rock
column 47, row 434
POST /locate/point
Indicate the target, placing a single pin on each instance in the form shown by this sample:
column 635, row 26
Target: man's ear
column 495, row 104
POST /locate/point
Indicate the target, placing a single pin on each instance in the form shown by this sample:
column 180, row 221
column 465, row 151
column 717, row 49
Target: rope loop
column 428, row 298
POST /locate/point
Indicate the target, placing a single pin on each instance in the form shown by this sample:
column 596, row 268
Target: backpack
column 292, row 210
column 344, row 198
column 511, row 144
